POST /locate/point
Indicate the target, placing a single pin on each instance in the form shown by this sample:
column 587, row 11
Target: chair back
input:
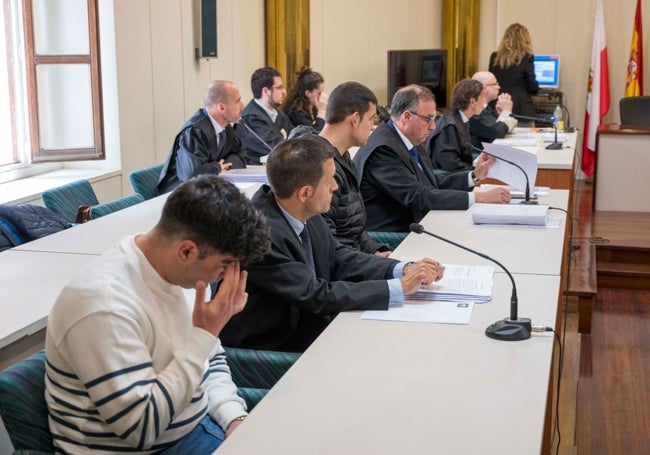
column 145, row 180
column 635, row 110
column 100, row 210
column 66, row 199
column 22, row 404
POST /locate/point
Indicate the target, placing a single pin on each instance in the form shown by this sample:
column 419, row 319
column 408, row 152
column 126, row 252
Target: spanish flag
column 634, row 82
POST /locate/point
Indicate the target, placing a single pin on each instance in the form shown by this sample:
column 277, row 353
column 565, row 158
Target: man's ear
column 265, row 92
column 304, row 192
column 186, row 250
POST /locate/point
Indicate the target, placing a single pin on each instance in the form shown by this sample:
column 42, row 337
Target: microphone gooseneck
column 512, row 329
column 527, row 199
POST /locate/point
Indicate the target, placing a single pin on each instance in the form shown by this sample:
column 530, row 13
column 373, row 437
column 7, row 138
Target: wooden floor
column 605, row 388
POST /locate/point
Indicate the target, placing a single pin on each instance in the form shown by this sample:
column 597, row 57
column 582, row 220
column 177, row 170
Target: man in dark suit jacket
column 494, row 122
column 308, row 277
column 263, row 125
column 207, row 143
column 398, row 183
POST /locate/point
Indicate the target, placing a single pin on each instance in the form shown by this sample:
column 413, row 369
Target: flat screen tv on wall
column 427, row 67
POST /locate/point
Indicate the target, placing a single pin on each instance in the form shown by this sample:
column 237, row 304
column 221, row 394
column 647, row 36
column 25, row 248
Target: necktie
column 306, row 245
column 221, row 138
column 415, row 157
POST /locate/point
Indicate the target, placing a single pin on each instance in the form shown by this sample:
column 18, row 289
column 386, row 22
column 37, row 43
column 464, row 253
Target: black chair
column 635, row 110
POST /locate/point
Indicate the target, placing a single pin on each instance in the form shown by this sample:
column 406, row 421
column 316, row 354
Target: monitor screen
column 547, row 70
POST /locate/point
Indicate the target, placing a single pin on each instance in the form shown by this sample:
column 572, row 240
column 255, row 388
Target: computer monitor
column 547, row 70
column 426, row 67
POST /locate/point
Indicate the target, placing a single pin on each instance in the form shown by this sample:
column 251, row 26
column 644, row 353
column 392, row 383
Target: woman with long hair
column 307, row 101
column 512, row 64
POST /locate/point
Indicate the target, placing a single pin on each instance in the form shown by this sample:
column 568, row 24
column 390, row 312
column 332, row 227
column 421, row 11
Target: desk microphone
column 509, row 329
column 527, row 200
column 553, row 146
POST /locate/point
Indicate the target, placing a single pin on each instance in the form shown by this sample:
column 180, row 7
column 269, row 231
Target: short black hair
column 217, row 216
column 263, row 77
column 297, row 162
column 348, row 98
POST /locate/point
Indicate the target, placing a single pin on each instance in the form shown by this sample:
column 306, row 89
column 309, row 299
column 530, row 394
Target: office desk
column 97, row 236
column 31, row 283
column 522, row 249
column 371, row 387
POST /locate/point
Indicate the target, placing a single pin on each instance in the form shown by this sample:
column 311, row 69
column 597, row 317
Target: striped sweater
column 126, row 370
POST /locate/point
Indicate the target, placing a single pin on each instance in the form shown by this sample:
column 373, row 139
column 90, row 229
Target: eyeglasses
column 278, row 87
column 426, row 118
column 496, row 84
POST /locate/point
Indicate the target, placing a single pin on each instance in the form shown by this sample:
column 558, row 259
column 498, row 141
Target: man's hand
column 424, row 271
column 232, row 426
column 230, row 299
column 493, row 196
column 483, row 164
column 224, row 166
column 504, row 103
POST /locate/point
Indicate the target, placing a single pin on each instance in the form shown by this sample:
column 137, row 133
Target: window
column 53, row 83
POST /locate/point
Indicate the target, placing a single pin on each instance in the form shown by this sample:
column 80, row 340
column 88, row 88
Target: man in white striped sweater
column 130, row 366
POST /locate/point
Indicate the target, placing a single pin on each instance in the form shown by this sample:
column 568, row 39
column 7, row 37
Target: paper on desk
column 508, row 173
column 535, row 215
column 249, row 174
column 425, row 311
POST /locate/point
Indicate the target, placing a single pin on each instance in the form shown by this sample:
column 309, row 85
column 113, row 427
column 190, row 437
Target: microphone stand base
column 510, row 330
column 554, row 146
column 530, row 202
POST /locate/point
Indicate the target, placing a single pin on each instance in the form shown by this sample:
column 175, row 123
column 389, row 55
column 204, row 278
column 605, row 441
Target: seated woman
column 307, row 101
column 450, row 143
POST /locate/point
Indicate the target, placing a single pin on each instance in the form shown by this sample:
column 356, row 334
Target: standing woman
column 307, row 101
column 512, row 64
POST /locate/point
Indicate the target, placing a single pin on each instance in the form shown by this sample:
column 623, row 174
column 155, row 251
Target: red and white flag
column 597, row 92
column 634, row 81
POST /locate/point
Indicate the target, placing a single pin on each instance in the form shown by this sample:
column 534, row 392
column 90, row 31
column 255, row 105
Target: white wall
column 160, row 84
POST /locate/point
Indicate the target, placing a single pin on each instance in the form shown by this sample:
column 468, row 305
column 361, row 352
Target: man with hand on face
column 206, row 143
column 263, row 124
column 130, row 368
column 397, row 180
column 309, row 277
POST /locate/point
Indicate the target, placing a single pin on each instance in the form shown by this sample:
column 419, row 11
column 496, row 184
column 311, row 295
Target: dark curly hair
column 307, row 80
column 218, row 217
column 464, row 91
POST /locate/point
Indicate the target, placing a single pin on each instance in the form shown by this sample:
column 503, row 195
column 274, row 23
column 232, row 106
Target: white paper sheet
column 508, row 173
column 425, row 311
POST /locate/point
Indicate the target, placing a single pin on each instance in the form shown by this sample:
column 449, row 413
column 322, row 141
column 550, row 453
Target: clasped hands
column 425, row 271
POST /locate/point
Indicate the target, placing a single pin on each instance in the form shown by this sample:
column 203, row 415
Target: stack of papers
column 460, row 283
column 255, row 174
column 449, row 301
column 535, row 215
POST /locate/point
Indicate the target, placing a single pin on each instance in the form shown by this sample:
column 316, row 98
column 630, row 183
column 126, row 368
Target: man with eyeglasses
column 263, row 125
column 396, row 176
column 494, row 122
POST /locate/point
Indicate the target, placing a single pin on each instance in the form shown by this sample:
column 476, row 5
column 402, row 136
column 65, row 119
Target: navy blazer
column 287, row 306
column 396, row 191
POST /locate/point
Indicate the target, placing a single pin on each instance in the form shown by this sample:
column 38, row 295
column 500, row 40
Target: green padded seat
column 66, row 199
column 257, row 369
column 22, row 405
column 390, row 239
column 251, row 396
column 100, row 210
column 145, row 180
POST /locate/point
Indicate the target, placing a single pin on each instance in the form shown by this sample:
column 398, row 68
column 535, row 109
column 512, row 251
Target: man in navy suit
column 207, row 143
column 309, row 277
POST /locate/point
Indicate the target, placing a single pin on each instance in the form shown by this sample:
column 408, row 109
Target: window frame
column 32, row 60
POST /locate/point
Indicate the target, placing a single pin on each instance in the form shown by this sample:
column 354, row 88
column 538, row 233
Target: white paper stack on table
column 255, row 174
column 535, row 215
column 460, row 283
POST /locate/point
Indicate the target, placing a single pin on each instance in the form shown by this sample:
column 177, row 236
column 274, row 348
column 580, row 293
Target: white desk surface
column 97, row 236
column 522, row 249
column 555, row 159
column 31, row 283
column 372, row 387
